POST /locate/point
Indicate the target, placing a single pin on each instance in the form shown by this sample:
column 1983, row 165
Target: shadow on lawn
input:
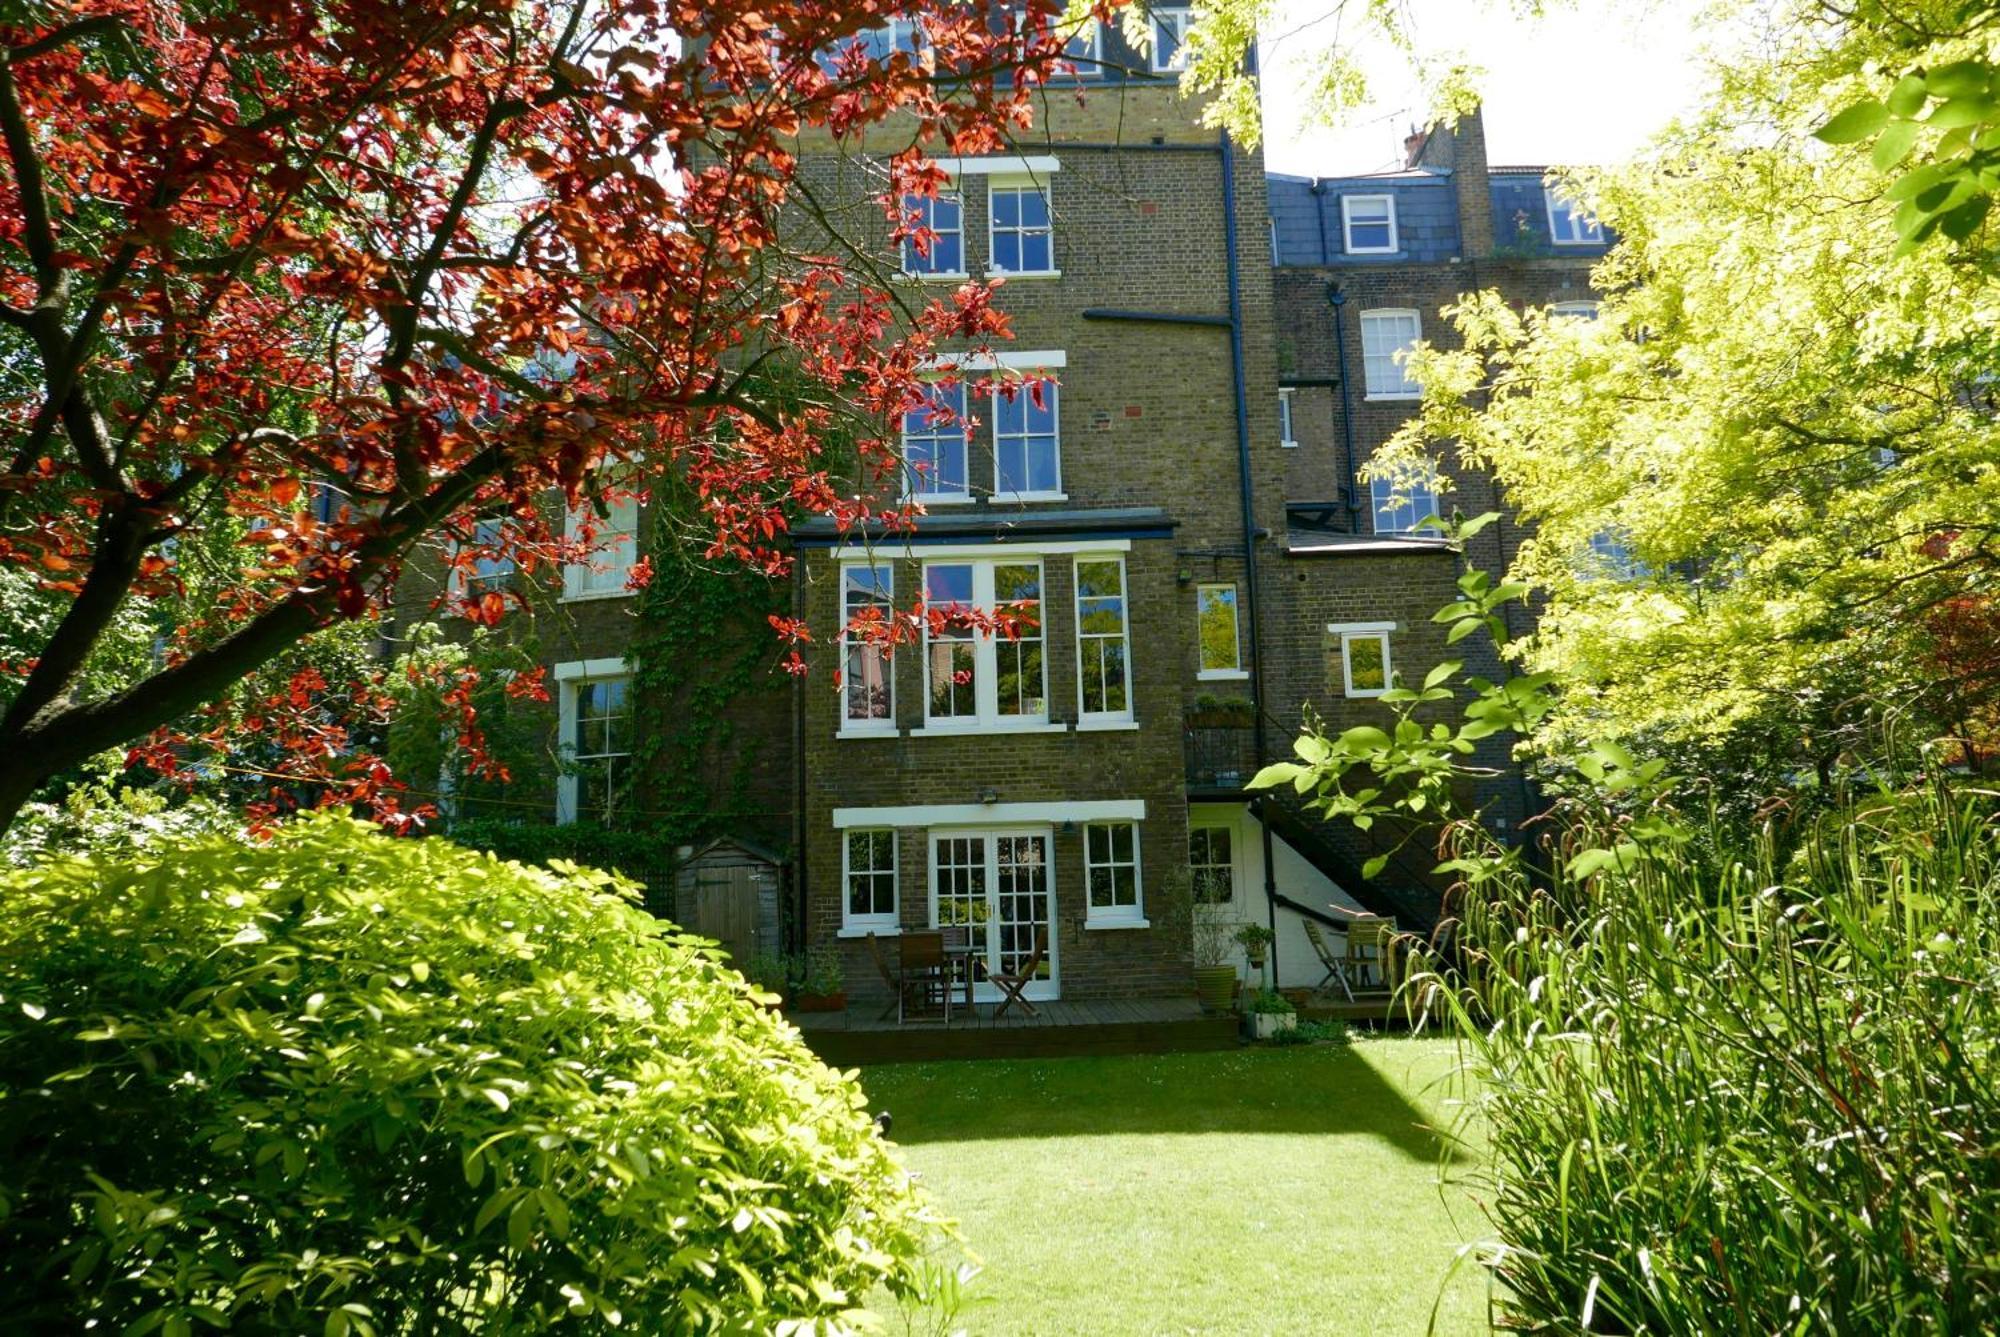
column 1324, row 1089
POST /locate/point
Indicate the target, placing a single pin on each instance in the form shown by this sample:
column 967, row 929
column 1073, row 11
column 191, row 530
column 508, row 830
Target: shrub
column 1755, row 1097
column 343, row 1083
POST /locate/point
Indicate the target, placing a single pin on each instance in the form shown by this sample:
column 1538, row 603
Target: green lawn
column 1254, row 1191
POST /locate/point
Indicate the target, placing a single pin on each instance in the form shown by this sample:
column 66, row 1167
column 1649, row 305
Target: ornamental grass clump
column 344, row 1083
column 1749, row 1096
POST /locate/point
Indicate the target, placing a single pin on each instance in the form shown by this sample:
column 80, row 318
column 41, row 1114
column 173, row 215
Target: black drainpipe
column 1339, row 300
column 1250, row 590
column 799, row 885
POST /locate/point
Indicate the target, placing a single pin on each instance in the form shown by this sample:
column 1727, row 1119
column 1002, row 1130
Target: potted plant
column 1256, row 941
column 1221, row 712
column 1207, row 937
column 817, row 981
column 771, row 973
column 1269, row 1013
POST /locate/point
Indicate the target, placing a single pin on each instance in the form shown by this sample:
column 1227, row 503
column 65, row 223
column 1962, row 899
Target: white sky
column 1586, row 84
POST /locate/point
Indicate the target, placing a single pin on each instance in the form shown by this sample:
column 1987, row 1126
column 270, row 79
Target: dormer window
column 1569, row 225
column 1369, row 224
column 1170, row 30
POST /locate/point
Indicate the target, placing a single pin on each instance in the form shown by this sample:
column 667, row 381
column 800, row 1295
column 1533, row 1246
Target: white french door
column 999, row 884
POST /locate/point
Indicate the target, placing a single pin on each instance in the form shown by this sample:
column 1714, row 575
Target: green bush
column 343, row 1083
column 1755, row 1096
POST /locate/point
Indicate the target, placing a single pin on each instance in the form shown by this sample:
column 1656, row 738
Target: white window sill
column 869, row 733
column 1105, row 726
column 1374, row 250
column 863, row 930
column 591, row 595
column 1222, row 675
column 940, row 276
column 1024, row 273
column 1003, row 498
column 940, row 498
column 1289, row 445
column 1559, row 242
column 1392, row 399
column 1354, row 695
column 1107, row 925
column 957, row 730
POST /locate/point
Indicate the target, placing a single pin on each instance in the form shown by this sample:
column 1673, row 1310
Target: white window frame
column 913, row 265
column 1579, row 310
column 1349, row 632
column 989, row 835
column 1380, row 490
column 1235, row 669
column 1405, row 388
column 1229, row 824
column 569, row 677
column 881, row 923
column 1347, row 203
column 986, row 716
column 915, row 485
column 1115, row 916
column 1589, row 232
column 1053, row 397
column 605, row 575
column 1018, row 182
column 1181, row 19
column 1087, row 719
column 1287, row 413
column 851, row 727
column 461, row 579
column 1089, row 64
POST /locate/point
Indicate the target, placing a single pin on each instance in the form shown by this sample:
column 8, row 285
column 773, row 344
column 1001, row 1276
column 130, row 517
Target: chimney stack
column 1413, row 146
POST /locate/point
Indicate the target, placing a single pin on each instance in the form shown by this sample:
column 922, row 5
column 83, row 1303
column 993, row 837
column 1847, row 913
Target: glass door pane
column 1023, row 907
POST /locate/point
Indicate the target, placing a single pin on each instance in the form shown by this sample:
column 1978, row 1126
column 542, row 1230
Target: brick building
column 1180, row 513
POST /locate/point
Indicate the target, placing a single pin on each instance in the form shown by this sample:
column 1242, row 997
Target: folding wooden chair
column 1371, row 951
column 1011, row 983
column 921, row 962
column 1336, row 967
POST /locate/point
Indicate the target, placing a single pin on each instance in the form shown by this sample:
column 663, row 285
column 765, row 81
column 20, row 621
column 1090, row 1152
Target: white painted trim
column 1087, row 719
column 1182, row 18
column 576, row 670
column 1054, row 395
column 1342, row 628
column 1347, row 226
column 1010, row 274
column 1034, row 359
column 988, row 836
column 1369, row 392
column 1222, row 675
column 895, row 932
column 935, row 545
column 1235, row 667
column 858, row 926
column 928, row 276
column 595, row 596
column 1106, row 726
column 911, row 478
column 1102, row 925
column 579, row 578
column 870, row 728
column 1117, row 916
column 991, row 814
column 1288, row 412
column 1041, row 186
column 890, row 731
column 1214, row 817
column 1041, row 165
column 946, row 729
column 986, row 716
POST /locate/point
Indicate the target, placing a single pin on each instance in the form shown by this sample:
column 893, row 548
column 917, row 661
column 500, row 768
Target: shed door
column 721, row 903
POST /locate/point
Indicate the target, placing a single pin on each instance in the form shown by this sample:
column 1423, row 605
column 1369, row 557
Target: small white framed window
column 1111, row 878
column 1368, row 224
column 1216, row 625
column 615, row 549
column 1103, row 641
column 1287, row 434
column 934, row 445
column 869, row 876
column 1386, row 339
column 1574, row 311
column 1402, row 504
column 594, row 723
column 943, row 215
column 1365, row 669
column 1170, row 30
column 1027, row 441
column 1569, row 224
column 1212, row 863
column 1020, row 230
column 868, row 681
column 1085, row 50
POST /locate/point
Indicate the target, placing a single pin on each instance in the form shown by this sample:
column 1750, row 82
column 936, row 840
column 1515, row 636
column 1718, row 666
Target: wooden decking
column 1131, row 1026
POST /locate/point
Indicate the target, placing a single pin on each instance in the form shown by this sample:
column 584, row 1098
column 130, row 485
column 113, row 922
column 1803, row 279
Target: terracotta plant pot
column 1215, row 987
column 820, row 1002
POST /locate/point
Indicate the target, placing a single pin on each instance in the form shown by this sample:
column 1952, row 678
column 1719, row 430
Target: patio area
column 1058, row 1027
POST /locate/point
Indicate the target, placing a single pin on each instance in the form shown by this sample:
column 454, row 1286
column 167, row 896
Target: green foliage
column 424, row 746
column 348, row 1084
column 816, row 971
column 640, row 855
column 106, row 819
column 1753, row 1095
column 1270, row 1003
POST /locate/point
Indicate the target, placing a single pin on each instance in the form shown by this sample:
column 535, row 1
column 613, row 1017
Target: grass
column 1254, row 1191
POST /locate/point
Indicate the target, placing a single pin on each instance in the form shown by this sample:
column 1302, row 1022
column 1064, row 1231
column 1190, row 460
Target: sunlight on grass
column 1263, row 1190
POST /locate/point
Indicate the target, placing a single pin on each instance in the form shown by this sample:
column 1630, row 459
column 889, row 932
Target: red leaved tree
column 327, row 277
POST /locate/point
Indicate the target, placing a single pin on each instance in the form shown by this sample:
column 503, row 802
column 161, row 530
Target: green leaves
column 1855, row 124
column 1950, row 194
column 581, row 1092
